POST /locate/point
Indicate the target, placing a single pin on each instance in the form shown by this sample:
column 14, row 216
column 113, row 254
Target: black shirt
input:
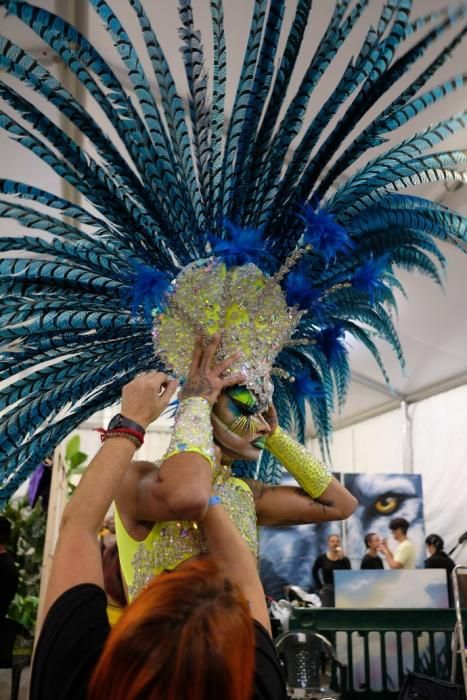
column 327, row 567
column 8, row 582
column 74, row 633
column 440, row 560
column 369, row 562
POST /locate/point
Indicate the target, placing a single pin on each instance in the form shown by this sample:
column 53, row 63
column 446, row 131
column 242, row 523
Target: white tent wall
column 432, row 441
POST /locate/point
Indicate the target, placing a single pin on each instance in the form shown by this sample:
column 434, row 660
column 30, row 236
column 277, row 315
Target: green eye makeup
column 243, row 398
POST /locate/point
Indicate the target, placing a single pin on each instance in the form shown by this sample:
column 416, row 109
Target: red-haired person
column 200, row 632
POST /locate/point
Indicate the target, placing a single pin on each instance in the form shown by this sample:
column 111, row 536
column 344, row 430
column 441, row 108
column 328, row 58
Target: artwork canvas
column 287, row 553
column 396, row 588
column 382, row 497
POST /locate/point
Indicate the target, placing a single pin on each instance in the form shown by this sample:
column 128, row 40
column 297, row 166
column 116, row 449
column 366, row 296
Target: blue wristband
column 214, row 501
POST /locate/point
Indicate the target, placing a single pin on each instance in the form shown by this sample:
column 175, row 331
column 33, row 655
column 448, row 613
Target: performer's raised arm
column 319, row 497
column 180, row 488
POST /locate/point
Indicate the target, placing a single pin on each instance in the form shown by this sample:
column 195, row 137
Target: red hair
column 189, row 634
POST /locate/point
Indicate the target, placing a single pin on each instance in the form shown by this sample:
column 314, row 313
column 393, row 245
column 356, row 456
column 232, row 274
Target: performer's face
column 239, row 428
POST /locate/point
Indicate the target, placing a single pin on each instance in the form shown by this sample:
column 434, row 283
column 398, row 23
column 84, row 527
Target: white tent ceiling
column 433, row 324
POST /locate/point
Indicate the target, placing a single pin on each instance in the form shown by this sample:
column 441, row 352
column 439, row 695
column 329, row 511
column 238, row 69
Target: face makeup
column 238, row 426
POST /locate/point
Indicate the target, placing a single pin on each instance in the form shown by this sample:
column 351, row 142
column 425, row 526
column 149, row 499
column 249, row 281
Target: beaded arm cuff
column 193, row 429
column 312, row 476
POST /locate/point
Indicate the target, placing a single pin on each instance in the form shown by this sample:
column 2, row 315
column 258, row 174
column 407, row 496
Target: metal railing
column 458, row 648
column 379, row 646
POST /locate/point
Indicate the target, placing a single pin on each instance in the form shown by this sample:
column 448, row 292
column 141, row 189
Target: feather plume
column 246, row 245
column 326, row 236
column 172, row 171
column 147, row 290
column 369, row 277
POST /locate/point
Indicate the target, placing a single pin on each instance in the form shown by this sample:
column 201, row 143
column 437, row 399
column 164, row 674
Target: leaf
column 72, row 447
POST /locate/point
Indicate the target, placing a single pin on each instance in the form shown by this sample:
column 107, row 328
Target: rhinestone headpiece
column 246, row 306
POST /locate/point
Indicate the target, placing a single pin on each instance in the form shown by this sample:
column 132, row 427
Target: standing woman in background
column 327, row 563
column 438, row 559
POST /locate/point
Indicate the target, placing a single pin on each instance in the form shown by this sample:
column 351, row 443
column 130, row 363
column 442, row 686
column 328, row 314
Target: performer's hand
column 147, row 396
column 205, row 376
column 270, row 416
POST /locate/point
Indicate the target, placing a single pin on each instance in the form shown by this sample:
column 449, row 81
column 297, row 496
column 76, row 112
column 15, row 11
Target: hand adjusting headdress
column 284, row 257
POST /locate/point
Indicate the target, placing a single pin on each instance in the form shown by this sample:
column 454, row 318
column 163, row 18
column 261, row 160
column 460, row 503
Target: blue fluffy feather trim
column 307, row 387
column 324, row 234
column 299, row 291
column 246, row 245
column 370, row 277
column 331, row 342
column 148, row 289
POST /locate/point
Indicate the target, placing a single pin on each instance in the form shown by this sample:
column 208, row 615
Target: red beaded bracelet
column 133, row 435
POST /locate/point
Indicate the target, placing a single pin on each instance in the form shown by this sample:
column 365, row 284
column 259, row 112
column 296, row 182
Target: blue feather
column 307, row 387
column 330, row 340
column 147, row 291
column 369, row 277
column 299, row 290
column 246, row 245
column 326, row 236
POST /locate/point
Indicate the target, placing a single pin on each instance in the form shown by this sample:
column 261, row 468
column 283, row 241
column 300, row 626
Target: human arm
column 292, row 505
column 180, row 488
column 228, row 549
column 77, row 557
column 319, row 497
column 392, row 562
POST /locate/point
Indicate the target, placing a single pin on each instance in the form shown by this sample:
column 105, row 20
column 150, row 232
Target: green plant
column 28, row 536
column 27, row 544
column 74, row 462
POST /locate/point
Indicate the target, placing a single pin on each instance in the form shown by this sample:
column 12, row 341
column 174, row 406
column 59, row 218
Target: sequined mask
column 246, row 306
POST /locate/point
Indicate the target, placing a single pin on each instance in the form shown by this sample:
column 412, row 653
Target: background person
column 324, row 567
column 405, row 555
column 438, row 559
column 190, row 634
column 371, row 559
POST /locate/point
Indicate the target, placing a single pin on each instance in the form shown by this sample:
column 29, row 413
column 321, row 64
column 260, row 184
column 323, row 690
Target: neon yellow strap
column 193, row 429
column 312, row 476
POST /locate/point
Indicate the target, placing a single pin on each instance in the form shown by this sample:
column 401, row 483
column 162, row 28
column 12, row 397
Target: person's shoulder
column 268, row 681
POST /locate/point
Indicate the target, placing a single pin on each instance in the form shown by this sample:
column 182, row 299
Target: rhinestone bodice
column 170, row 543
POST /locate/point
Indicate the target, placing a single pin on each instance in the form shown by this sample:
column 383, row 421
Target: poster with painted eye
column 287, row 553
column 382, row 497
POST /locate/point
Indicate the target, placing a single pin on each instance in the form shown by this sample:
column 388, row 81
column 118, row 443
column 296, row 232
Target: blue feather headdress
column 192, row 183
